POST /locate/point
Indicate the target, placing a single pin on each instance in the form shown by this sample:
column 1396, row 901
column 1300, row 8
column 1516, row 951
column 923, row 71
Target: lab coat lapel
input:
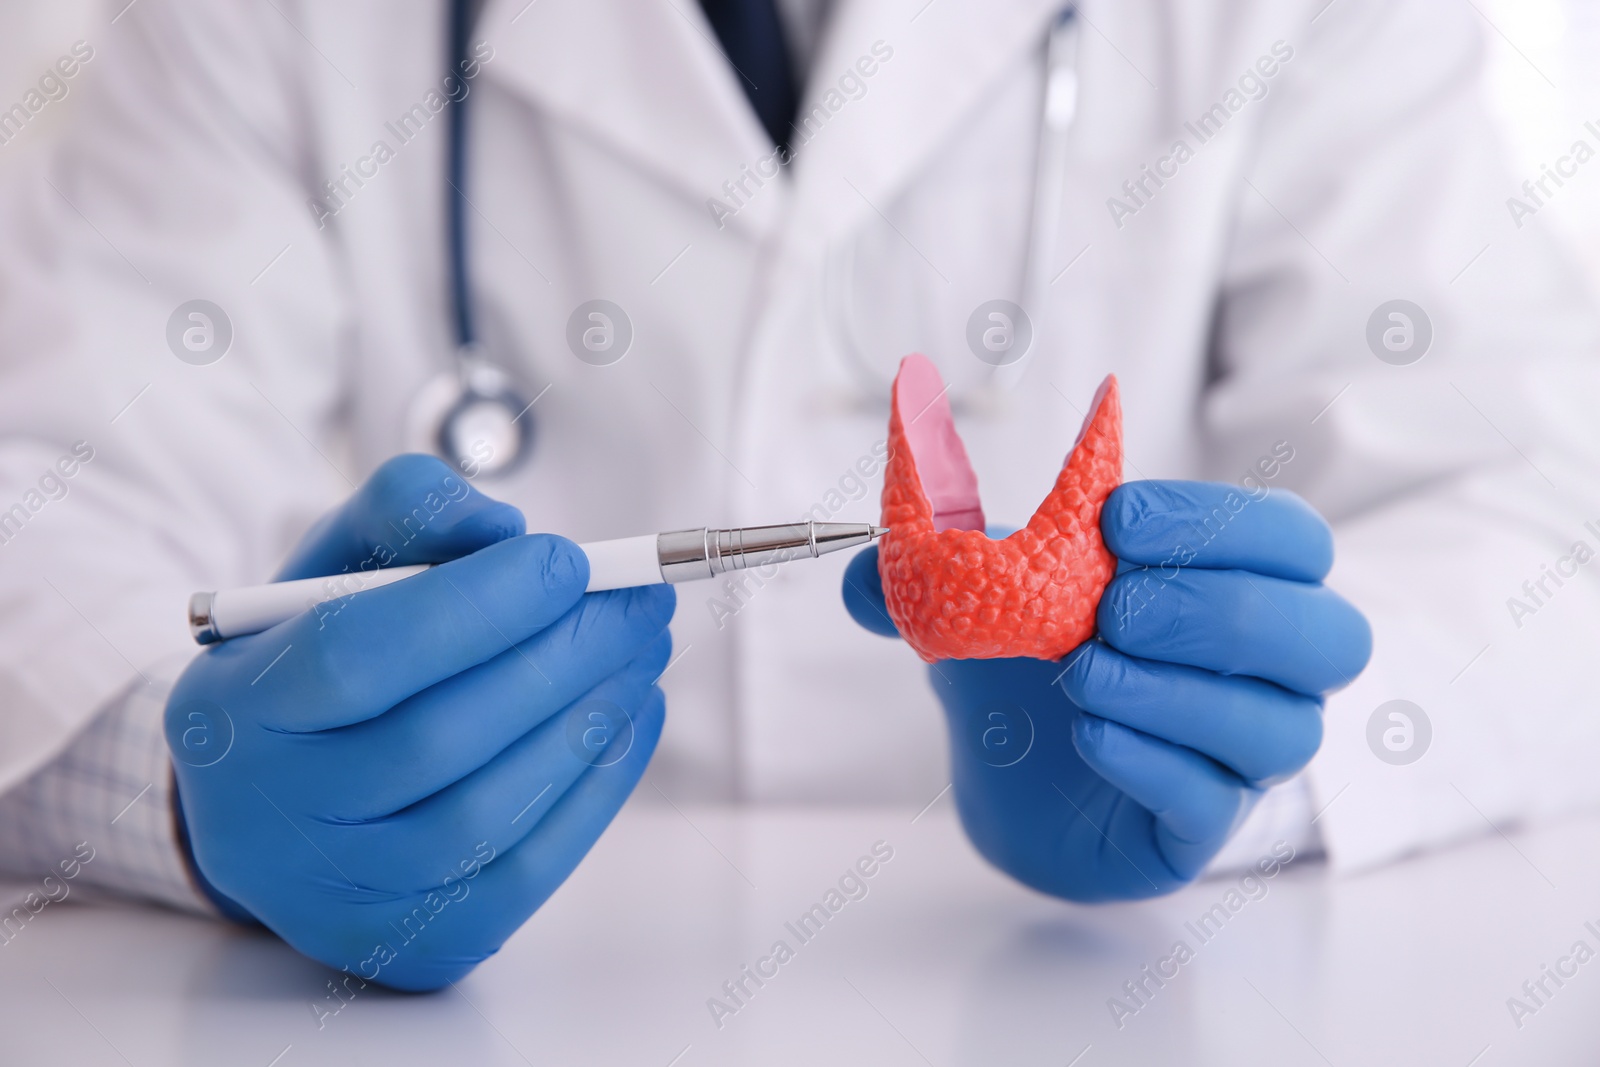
column 854, row 154
column 647, row 78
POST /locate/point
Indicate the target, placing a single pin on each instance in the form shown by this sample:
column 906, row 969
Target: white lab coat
column 1232, row 304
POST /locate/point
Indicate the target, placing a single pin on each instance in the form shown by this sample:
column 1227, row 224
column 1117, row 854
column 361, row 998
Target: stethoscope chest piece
column 475, row 417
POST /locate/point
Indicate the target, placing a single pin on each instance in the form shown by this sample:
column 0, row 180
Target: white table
column 944, row 962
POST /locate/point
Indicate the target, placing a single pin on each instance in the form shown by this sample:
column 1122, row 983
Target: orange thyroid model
column 953, row 592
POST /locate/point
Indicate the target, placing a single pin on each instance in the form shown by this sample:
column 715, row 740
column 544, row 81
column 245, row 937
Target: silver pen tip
column 878, row 531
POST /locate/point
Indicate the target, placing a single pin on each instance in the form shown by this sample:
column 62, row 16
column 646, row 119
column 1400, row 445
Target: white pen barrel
column 623, row 563
column 261, row 607
column 618, row 564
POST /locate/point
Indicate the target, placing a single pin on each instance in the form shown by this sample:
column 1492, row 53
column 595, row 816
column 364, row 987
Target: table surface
column 942, row 962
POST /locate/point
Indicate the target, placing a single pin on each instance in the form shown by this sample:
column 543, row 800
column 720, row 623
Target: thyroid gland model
column 954, row 592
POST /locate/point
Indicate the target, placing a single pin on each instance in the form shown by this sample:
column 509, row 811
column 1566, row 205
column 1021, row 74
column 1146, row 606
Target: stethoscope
column 1059, row 110
column 479, row 417
column 476, row 415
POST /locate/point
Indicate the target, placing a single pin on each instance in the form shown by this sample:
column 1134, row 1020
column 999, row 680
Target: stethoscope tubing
column 460, row 31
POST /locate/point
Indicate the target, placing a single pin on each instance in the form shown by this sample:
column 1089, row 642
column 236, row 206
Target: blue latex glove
column 395, row 781
column 1121, row 771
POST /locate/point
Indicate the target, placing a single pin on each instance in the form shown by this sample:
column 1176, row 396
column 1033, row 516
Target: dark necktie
column 751, row 33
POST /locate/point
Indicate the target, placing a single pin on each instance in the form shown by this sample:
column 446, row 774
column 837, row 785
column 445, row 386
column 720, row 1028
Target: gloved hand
column 395, row 781
column 1120, row 771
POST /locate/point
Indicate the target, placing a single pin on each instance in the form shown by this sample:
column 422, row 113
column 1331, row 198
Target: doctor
column 244, row 283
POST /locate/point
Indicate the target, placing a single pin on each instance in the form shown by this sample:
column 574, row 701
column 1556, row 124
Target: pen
column 675, row 556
